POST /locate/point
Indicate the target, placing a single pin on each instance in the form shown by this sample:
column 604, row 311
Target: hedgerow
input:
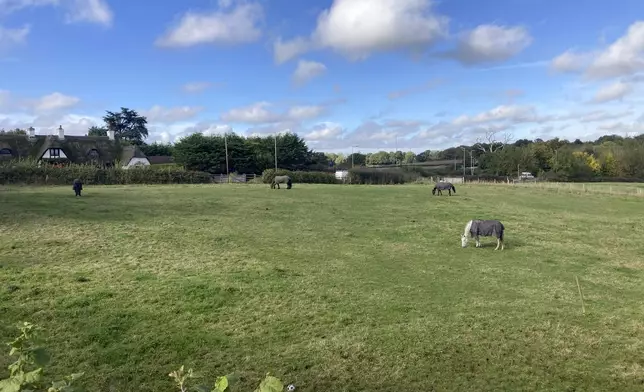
column 33, row 174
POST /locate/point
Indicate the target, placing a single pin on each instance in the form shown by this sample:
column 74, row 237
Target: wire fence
column 618, row 189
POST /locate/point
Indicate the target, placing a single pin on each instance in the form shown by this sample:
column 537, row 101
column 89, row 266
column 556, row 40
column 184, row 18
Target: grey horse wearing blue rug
column 443, row 186
column 281, row 180
column 484, row 228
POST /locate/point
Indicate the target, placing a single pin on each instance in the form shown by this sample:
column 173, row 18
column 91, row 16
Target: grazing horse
column 443, row 186
column 485, row 228
column 281, row 180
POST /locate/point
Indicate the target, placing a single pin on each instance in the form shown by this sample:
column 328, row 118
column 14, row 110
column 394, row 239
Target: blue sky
column 371, row 73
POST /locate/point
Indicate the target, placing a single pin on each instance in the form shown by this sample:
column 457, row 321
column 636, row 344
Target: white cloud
column 259, row 113
column 603, row 115
column 569, row 62
column 307, row 70
column 12, row 37
column 491, row 43
column 359, row 28
column 324, row 131
column 624, row 57
column 286, row 50
column 510, row 113
column 160, row 114
column 53, row 102
column 237, row 26
column 196, row 87
column 612, row 92
column 91, row 11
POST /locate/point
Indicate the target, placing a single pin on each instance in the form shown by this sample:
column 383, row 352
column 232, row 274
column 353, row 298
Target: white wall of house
column 137, row 162
column 47, row 154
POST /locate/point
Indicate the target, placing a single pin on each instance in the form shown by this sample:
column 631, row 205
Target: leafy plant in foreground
column 25, row 374
column 181, row 377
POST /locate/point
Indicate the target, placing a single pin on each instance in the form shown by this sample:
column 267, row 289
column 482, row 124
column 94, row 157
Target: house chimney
column 61, row 132
column 32, row 132
column 110, row 134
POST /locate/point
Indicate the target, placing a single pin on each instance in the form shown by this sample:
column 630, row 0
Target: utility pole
column 471, row 163
column 352, row 164
column 226, row 147
column 463, row 164
column 276, row 153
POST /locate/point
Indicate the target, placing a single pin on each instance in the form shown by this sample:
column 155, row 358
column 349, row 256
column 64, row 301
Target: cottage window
column 92, row 154
column 54, row 152
column 5, row 152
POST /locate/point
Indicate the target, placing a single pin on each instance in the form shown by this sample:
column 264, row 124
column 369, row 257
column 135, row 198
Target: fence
column 617, row 189
column 233, row 178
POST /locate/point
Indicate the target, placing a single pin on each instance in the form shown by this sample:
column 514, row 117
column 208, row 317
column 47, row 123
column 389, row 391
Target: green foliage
column 16, row 131
column 245, row 155
column 373, row 176
column 127, row 125
column 97, row 131
column 182, row 377
column 301, row 177
column 26, row 373
column 32, row 173
column 157, row 149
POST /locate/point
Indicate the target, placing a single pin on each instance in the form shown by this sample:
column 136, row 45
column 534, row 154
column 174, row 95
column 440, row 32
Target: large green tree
column 127, row 125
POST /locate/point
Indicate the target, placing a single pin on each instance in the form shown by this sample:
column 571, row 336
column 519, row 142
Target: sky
column 372, row 74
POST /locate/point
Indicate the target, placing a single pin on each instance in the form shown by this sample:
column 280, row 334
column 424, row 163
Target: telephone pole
column 226, row 147
column 463, row 164
column 471, row 163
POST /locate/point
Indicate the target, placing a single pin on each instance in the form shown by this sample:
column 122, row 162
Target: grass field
column 332, row 288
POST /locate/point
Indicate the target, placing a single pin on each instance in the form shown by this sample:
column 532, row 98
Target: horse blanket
column 487, row 228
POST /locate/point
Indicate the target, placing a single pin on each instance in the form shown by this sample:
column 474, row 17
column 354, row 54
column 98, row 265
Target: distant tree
column 492, row 141
column 127, row 125
column 410, row 157
column 97, row 131
column 16, row 131
column 157, row 149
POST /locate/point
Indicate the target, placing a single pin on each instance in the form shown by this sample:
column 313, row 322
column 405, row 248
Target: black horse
column 282, row 180
column 77, row 187
column 443, row 186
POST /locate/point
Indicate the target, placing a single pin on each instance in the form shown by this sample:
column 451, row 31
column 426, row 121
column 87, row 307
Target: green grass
column 332, row 288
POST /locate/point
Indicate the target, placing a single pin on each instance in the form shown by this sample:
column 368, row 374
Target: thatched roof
column 76, row 148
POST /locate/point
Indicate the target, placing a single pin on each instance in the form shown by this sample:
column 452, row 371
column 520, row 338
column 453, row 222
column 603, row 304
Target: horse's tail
column 502, row 232
column 453, row 189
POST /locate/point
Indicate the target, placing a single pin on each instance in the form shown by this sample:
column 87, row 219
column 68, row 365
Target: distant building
column 105, row 151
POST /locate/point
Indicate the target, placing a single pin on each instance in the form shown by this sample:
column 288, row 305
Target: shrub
column 373, row 176
column 91, row 175
column 301, row 177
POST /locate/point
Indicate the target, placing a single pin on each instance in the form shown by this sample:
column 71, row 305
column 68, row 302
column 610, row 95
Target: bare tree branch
column 491, row 142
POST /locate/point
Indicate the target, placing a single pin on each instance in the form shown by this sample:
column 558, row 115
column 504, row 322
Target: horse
column 282, row 180
column 485, row 228
column 77, row 187
column 444, row 186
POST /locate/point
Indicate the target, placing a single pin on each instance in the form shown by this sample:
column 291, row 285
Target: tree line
column 609, row 156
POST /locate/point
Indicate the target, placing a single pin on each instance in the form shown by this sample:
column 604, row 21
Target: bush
column 373, row 176
column 300, row 177
column 91, row 175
